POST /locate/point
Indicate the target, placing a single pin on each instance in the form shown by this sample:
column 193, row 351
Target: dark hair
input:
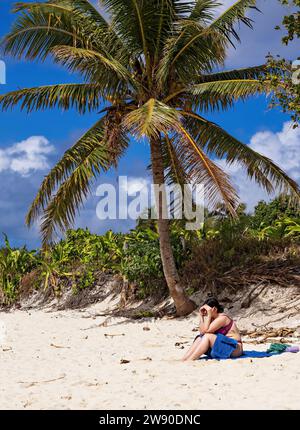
column 213, row 303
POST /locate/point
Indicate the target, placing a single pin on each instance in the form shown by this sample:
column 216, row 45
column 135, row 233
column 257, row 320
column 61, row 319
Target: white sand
column 63, row 360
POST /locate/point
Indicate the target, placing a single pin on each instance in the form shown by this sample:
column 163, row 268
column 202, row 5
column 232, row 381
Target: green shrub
column 14, row 264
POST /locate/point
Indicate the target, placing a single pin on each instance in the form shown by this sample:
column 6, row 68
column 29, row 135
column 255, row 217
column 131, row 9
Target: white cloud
column 282, row 147
column 225, row 4
column 26, row 156
column 133, row 185
column 257, row 43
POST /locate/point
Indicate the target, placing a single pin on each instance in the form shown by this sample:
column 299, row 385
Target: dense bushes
column 14, row 264
column 76, row 259
column 220, row 245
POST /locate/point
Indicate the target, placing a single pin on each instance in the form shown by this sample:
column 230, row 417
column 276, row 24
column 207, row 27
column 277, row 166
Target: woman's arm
column 216, row 324
column 205, row 321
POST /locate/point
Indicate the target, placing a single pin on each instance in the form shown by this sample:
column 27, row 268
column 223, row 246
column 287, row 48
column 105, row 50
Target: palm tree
column 150, row 66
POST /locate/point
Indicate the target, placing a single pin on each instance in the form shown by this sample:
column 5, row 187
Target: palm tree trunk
column 183, row 304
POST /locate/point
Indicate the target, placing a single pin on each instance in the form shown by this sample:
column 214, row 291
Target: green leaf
column 82, row 97
column 151, row 119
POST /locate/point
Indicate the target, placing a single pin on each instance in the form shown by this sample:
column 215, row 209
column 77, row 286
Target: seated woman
column 219, row 336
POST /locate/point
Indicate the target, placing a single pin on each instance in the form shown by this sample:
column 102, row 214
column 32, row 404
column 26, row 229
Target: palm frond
column 195, row 37
column 233, row 15
column 235, row 89
column 254, row 72
column 42, row 26
column 204, row 171
column 64, row 206
column 217, row 142
column 219, row 99
column 151, row 119
column 168, row 12
column 204, row 10
column 72, row 176
column 143, row 25
column 190, row 50
column 174, row 171
column 176, row 174
column 82, row 97
column 130, row 19
column 92, row 139
column 92, row 64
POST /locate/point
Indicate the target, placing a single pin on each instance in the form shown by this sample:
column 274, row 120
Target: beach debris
column 60, row 346
column 113, row 335
column 31, row 384
column 146, row 328
column 123, row 361
column 180, row 344
column 91, row 327
column 271, row 334
column 27, row 403
column 254, row 293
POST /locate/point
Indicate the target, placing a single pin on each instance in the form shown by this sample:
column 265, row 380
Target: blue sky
column 24, row 159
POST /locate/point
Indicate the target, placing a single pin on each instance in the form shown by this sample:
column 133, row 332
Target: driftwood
column 269, row 340
column 272, row 335
column 59, row 346
column 31, row 384
column 276, row 272
column 114, row 335
column 280, row 332
column 254, row 293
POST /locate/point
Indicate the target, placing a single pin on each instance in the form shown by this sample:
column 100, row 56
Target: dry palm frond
column 217, row 141
column 202, row 170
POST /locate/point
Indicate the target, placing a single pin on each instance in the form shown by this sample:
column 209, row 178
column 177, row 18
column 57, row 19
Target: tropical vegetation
column 220, row 245
column 282, row 74
column 151, row 69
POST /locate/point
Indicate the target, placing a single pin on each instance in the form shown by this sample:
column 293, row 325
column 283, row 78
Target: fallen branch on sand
column 276, row 272
column 59, row 346
column 31, row 384
column 271, row 335
column 280, row 332
column 113, row 335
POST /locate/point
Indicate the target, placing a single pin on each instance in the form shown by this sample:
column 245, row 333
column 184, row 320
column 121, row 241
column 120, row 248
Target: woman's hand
column 205, row 310
column 205, row 318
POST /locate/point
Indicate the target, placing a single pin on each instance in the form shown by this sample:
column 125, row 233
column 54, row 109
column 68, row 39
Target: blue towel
column 246, row 354
column 255, row 354
column 223, row 347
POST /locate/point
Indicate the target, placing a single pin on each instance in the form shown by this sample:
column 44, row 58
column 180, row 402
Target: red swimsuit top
column 226, row 329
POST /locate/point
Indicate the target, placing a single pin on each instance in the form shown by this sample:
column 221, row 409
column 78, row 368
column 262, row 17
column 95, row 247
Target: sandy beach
column 74, row 360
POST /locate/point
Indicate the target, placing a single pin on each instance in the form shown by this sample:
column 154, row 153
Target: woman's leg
column 193, row 347
column 201, row 348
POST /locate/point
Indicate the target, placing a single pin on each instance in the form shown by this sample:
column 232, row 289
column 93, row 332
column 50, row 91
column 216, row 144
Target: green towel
column 277, row 348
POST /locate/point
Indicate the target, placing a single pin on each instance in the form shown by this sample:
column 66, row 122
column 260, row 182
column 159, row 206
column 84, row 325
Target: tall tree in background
column 151, row 70
column 291, row 22
column 284, row 76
